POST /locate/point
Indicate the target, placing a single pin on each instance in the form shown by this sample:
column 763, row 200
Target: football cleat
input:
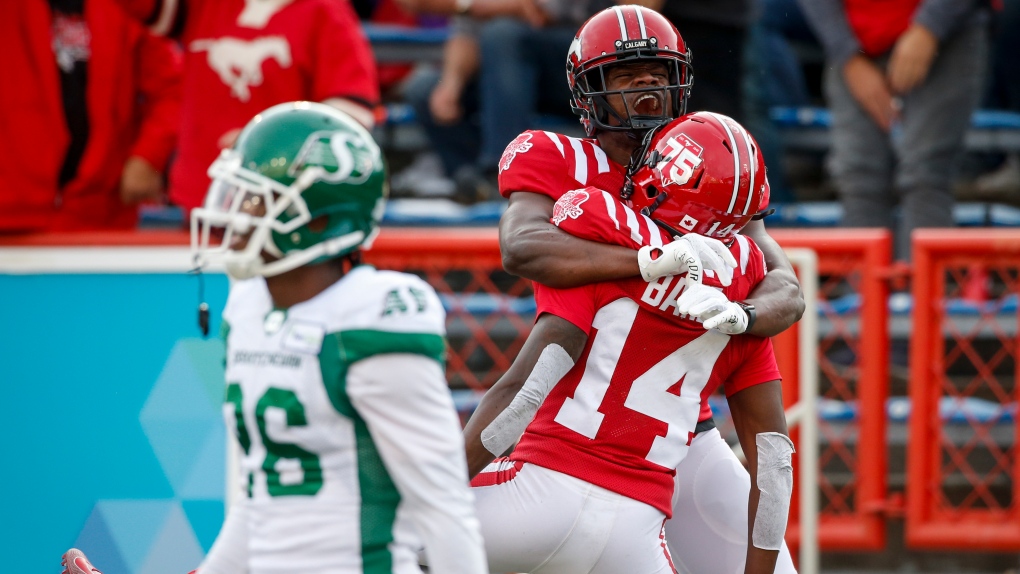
column 75, row 562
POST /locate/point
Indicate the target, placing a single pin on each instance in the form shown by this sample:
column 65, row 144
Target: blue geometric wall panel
column 151, row 536
column 182, row 419
column 116, row 408
column 205, row 517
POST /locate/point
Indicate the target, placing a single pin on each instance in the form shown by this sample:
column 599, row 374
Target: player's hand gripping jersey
column 624, row 416
column 552, row 164
column 327, row 417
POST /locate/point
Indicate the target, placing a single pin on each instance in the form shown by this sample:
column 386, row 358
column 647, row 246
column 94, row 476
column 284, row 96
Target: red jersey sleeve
column 597, row 215
column 533, row 162
column 756, row 363
column 343, row 65
column 576, row 305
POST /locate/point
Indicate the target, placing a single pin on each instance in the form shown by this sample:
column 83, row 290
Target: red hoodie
column 237, row 65
column 133, row 102
column 878, row 23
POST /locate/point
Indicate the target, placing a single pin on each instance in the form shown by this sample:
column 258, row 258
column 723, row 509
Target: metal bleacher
column 808, row 129
column 405, row 44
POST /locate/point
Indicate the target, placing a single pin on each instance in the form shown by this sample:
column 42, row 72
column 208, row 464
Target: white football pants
column 541, row 521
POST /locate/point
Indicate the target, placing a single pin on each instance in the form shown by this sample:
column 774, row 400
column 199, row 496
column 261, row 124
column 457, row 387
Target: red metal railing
column 853, row 357
column 963, row 467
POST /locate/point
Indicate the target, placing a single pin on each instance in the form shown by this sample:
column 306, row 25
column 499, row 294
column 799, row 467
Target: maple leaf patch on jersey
column 569, row 205
column 520, row 144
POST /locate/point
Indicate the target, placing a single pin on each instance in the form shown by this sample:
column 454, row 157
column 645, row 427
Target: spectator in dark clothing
column 902, row 80
column 774, row 76
column 1004, row 94
column 502, row 74
column 716, row 32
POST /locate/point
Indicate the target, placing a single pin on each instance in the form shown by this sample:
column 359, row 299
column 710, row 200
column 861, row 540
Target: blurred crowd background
column 113, row 109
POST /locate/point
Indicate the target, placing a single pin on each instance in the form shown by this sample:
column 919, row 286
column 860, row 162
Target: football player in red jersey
column 612, row 381
column 629, row 70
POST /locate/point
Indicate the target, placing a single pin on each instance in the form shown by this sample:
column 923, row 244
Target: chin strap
column 203, row 307
column 638, row 160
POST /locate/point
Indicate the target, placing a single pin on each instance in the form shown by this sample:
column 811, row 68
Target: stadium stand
column 808, row 129
column 392, row 43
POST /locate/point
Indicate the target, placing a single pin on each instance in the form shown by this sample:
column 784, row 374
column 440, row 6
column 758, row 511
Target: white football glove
column 709, row 306
column 689, row 254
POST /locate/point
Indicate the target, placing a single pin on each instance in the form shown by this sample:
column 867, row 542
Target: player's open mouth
column 649, row 104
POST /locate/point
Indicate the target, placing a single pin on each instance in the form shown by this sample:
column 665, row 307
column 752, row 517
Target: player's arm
column 159, row 88
column 551, row 350
column 761, row 427
column 162, row 17
column 406, row 405
column 229, row 554
column 534, row 248
column 778, row 298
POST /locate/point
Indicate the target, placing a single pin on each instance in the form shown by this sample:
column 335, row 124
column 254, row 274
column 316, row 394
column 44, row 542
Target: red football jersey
column 624, row 416
column 243, row 57
column 552, row 164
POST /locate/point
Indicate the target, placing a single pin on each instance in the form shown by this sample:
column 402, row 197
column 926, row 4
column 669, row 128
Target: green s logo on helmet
column 303, row 184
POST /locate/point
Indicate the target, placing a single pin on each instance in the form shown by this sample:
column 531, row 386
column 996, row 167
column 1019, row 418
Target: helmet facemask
column 242, row 202
column 304, row 183
column 591, row 88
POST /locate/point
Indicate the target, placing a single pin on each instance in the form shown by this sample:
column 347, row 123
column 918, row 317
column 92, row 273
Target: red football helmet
column 624, row 34
column 702, row 173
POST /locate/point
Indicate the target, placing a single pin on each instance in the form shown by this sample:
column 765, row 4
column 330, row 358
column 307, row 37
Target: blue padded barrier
column 408, row 35
column 442, row 212
column 995, row 120
column 487, row 304
column 406, row 44
column 807, row 129
column 400, row 114
column 829, row 214
column 952, row 410
column 902, row 303
column 787, row 117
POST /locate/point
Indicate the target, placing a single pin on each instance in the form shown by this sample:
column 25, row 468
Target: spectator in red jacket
column 243, row 56
column 88, row 111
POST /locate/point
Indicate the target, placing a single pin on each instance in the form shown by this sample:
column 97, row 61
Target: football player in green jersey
column 352, row 453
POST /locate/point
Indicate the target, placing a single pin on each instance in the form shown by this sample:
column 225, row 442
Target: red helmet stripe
column 623, row 23
column 641, row 22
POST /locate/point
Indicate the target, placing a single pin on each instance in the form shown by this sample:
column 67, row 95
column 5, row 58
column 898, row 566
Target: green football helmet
column 293, row 164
